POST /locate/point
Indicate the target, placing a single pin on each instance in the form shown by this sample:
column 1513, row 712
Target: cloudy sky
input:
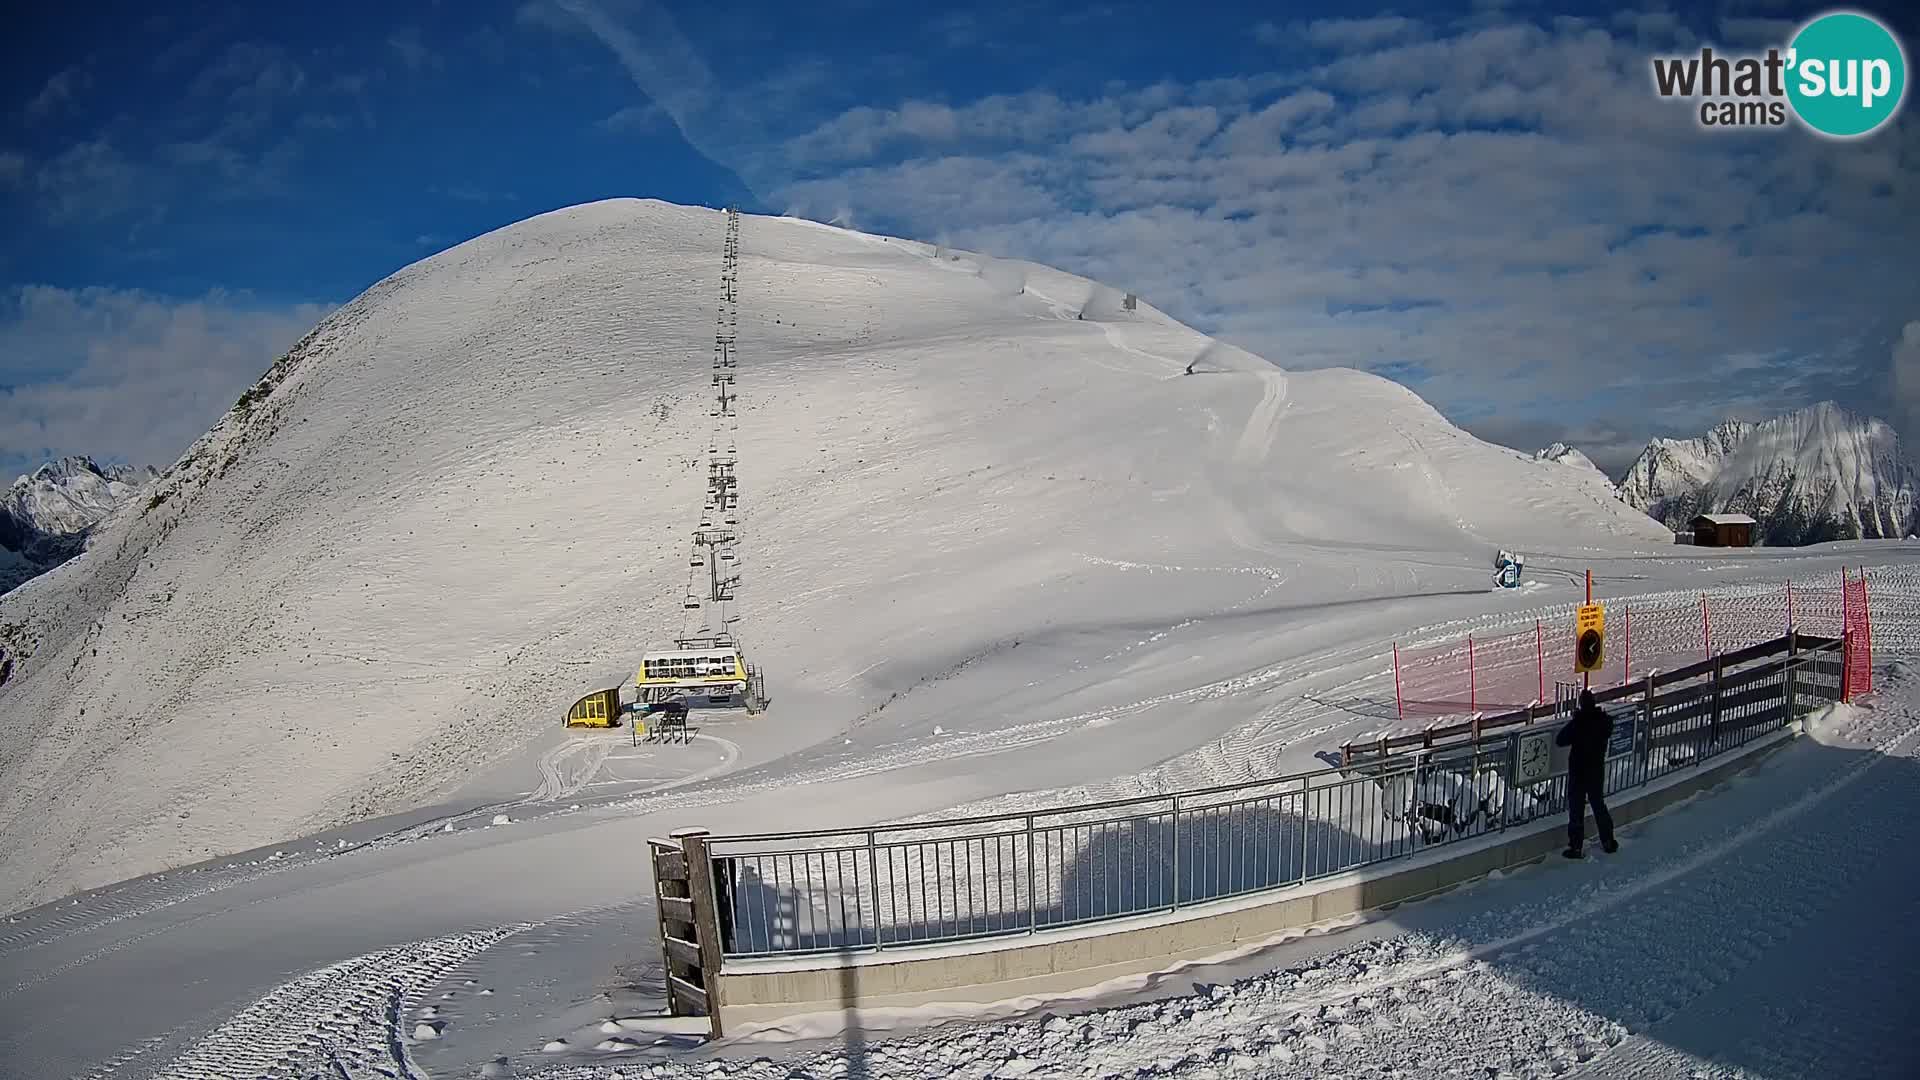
column 1486, row 202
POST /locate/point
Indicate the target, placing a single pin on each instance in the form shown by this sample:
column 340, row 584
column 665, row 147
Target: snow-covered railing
column 956, row 880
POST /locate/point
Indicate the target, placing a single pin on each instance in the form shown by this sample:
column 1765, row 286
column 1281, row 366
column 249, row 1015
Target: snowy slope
column 45, row 516
column 1818, row 474
column 464, row 500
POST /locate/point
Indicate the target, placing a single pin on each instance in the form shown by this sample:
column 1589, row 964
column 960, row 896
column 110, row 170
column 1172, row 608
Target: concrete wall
column 762, row 989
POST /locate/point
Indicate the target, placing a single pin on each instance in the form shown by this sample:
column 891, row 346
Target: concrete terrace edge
column 758, row 991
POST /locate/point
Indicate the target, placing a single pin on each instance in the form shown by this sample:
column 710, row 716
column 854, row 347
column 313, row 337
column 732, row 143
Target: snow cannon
column 1507, row 569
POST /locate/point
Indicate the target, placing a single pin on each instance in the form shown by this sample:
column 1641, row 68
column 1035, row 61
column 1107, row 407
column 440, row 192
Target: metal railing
column 963, row 879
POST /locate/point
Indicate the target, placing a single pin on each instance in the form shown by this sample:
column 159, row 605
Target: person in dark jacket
column 1585, row 736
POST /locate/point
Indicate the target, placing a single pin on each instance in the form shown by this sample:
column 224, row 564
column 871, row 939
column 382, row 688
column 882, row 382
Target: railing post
column 873, row 885
column 1306, row 785
column 1713, row 725
column 1793, row 674
column 1033, row 903
column 1176, row 851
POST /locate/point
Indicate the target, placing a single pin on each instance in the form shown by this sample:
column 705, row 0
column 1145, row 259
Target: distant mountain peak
column 1816, row 474
column 47, row 515
column 1561, row 454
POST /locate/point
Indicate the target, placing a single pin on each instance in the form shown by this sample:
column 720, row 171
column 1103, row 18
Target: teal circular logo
column 1846, row 74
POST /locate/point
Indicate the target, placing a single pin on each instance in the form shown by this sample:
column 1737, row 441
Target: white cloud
column 1756, row 33
column 58, row 91
column 1360, row 33
column 646, row 41
column 412, row 51
column 140, row 376
column 645, row 119
column 88, row 180
column 1503, row 206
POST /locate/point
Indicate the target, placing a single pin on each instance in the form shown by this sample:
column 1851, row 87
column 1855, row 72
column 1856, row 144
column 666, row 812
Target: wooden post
column 693, row 846
column 679, row 930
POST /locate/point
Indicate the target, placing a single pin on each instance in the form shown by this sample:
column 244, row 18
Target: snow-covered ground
column 995, row 554
column 1755, row 931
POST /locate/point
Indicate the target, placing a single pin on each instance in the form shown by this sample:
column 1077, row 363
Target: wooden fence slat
column 683, row 990
column 683, row 952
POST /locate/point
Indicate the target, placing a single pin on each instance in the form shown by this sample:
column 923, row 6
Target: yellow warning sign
column 1590, row 617
column 1589, row 638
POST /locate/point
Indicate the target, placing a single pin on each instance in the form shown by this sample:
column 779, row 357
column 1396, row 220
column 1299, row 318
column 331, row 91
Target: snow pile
column 395, row 559
column 1818, row 474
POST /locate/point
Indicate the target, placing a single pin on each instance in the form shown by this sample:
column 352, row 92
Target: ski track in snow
column 1263, row 424
column 335, row 1021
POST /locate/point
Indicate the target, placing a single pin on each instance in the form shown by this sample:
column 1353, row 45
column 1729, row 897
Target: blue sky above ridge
column 1487, row 203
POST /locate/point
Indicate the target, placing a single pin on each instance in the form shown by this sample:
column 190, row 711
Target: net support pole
column 1399, row 705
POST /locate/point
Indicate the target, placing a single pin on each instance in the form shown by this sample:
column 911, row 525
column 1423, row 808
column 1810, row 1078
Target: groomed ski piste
column 1002, row 552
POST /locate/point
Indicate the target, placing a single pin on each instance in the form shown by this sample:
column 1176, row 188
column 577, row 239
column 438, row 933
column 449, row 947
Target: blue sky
column 1485, row 202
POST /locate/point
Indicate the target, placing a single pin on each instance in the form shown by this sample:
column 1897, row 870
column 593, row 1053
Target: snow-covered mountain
column 1562, row 454
column 1821, row 473
column 466, row 497
column 47, row 515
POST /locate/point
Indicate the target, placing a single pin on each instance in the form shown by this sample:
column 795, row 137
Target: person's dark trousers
column 1584, row 791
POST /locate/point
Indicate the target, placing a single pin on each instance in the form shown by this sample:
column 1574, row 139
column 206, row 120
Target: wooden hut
column 1723, row 530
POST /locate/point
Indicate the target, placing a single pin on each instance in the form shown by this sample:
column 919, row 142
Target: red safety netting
column 1509, row 671
column 1857, row 615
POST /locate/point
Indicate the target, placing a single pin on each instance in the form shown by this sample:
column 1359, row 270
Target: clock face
column 1536, row 757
